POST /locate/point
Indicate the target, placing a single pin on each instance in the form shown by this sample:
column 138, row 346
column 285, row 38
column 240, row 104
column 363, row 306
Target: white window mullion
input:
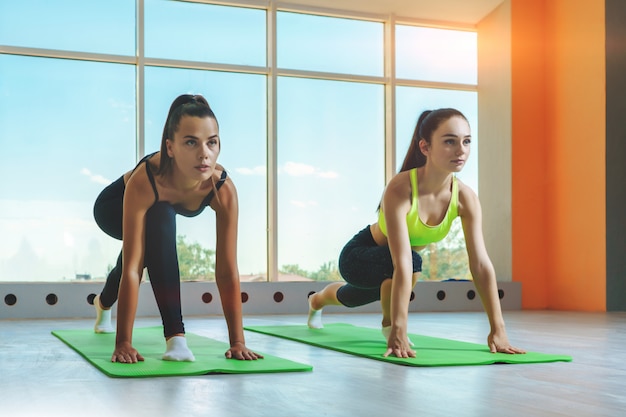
column 272, row 169
column 390, row 98
column 140, row 74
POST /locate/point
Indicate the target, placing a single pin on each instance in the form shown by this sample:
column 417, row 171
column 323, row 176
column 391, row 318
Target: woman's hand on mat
column 499, row 342
column 126, row 353
column 398, row 344
column 239, row 351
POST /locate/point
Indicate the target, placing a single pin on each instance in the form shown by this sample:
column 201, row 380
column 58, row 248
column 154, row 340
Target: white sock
column 315, row 317
column 177, row 350
column 387, row 330
column 103, row 318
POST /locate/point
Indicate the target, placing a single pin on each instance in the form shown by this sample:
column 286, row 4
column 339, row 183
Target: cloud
column 95, row 177
column 295, row 169
column 258, row 170
column 118, row 104
column 327, row 174
column 68, row 238
column 292, row 169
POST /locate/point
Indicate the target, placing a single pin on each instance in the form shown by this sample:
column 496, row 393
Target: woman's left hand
column 499, row 342
column 398, row 344
column 241, row 352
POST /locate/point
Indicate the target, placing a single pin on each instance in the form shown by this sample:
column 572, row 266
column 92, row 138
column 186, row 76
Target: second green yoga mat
column 209, row 353
column 369, row 343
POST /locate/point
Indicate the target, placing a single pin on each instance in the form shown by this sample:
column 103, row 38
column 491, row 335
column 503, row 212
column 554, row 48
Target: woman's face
column 195, row 147
column 449, row 147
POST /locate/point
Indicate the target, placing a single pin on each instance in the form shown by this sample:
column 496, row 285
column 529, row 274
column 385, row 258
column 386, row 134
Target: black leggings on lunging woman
column 160, row 257
column 364, row 266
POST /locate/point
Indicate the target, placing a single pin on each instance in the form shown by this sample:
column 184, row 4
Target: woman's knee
column 161, row 210
column 351, row 296
column 415, row 277
column 161, row 217
column 417, row 262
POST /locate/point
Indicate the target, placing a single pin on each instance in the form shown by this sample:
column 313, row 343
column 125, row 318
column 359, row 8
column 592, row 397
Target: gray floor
column 40, row 376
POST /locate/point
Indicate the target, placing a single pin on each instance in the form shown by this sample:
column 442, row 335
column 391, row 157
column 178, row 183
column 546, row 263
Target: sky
column 69, row 127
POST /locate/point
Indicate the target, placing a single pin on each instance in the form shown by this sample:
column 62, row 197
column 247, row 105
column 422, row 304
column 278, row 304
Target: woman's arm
column 482, row 270
column 396, row 205
column 226, row 270
column 137, row 199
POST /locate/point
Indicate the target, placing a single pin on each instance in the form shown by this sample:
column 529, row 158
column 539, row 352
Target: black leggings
column 365, row 265
column 160, row 256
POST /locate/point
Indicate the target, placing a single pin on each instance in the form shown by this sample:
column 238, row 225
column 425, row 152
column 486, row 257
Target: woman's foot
column 315, row 316
column 387, row 329
column 318, row 300
column 103, row 318
column 177, row 350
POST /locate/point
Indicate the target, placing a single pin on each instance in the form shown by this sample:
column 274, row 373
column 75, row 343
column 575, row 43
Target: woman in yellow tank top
column 382, row 262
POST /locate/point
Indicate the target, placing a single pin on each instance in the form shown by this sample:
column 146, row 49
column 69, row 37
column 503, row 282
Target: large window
column 330, row 170
column 449, row 57
column 432, row 54
column 103, row 27
column 204, row 32
column 239, row 102
column 85, row 88
column 68, row 129
column 446, row 259
column 328, row 44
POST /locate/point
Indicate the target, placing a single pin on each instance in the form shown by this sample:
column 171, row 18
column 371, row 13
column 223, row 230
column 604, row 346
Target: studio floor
column 41, row 376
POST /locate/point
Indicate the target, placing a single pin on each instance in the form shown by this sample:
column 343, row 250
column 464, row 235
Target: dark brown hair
column 184, row 105
column 426, row 125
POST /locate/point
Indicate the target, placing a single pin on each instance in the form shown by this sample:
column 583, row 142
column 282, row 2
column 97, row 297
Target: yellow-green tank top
column 421, row 234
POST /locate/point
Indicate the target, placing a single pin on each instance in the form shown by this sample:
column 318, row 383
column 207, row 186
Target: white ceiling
column 457, row 11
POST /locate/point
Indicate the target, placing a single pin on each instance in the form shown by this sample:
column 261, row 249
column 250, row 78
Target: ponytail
column 414, row 157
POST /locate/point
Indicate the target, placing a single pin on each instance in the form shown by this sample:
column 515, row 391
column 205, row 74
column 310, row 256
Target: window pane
column 68, row 130
column 317, row 43
column 205, row 32
column 446, row 259
column 239, row 103
column 104, row 26
column 330, row 170
column 436, row 55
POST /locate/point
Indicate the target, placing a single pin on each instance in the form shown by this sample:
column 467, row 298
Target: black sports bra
column 178, row 208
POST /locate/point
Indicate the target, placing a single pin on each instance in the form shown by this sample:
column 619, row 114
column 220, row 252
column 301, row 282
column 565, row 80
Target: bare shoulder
column 226, row 196
column 229, row 185
column 397, row 194
column 139, row 187
column 153, row 162
column 399, row 185
column 468, row 199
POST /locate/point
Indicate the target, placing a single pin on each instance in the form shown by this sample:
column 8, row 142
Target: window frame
column 271, row 71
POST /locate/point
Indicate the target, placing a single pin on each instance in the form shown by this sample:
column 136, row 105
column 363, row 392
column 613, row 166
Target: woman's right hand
column 126, row 353
column 398, row 344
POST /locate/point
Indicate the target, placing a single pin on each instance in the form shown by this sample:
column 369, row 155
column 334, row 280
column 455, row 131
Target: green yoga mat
column 370, row 343
column 209, row 353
